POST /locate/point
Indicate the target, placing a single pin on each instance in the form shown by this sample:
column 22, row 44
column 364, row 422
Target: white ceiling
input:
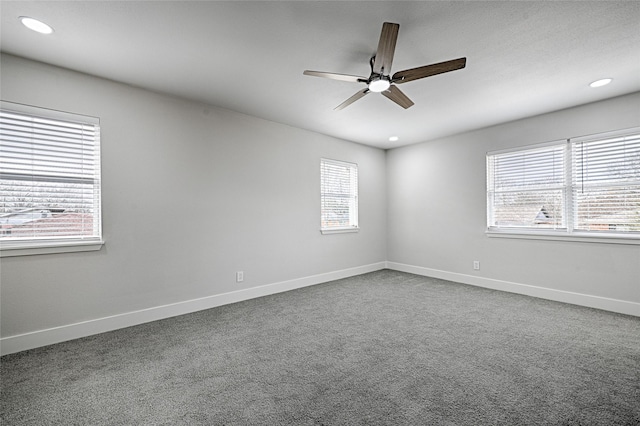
column 523, row 58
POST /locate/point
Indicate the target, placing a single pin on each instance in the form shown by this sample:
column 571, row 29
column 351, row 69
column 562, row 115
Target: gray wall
column 191, row 194
column 437, row 209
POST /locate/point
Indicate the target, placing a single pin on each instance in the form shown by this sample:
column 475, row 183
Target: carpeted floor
column 385, row 348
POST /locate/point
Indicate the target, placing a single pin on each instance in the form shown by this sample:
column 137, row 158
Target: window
column 49, row 180
column 606, row 183
column 582, row 187
column 339, row 196
column 527, row 188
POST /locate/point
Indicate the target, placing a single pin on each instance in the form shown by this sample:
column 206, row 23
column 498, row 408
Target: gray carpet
column 385, row 348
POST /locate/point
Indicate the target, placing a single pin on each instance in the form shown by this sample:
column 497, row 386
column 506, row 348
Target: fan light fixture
column 602, row 82
column 380, row 80
column 35, row 25
column 379, row 85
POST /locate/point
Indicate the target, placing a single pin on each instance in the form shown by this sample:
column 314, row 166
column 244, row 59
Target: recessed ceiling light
column 35, row 25
column 602, row 82
column 393, row 139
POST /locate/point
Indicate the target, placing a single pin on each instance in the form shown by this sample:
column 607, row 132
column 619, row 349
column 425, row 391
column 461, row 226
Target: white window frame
column 351, row 182
column 47, row 245
column 567, row 232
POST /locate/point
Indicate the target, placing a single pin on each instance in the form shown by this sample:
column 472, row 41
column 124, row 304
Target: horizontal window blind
column 584, row 186
column 606, row 184
column 339, row 194
column 526, row 189
column 49, row 176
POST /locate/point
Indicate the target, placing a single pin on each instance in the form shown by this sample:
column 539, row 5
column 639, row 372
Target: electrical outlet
column 239, row 276
column 476, row 265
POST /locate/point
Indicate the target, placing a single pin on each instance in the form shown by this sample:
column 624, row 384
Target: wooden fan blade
column 334, row 76
column 386, row 48
column 352, row 99
column 428, row 70
column 397, row 96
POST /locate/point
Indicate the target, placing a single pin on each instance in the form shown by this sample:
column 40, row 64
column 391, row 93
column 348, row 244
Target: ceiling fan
column 380, row 80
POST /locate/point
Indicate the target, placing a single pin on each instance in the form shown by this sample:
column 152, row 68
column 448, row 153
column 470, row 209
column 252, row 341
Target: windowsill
column 339, row 230
column 603, row 238
column 49, row 247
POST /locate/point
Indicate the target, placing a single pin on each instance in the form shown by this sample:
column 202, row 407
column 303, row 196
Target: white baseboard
column 606, row 304
column 22, row 342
